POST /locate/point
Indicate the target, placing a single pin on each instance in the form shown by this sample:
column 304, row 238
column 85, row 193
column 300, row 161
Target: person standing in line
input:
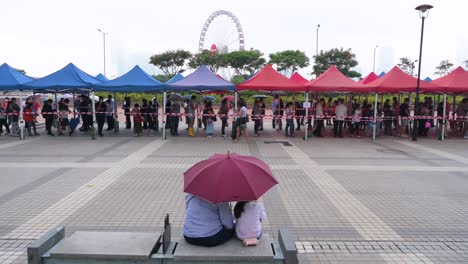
column 340, row 112
column 396, row 112
column 168, row 114
column 289, row 111
column 127, row 104
column 279, row 119
column 137, row 120
column 262, row 113
column 48, row 116
column 388, row 114
column 100, row 115
column 242, row 127
column 319, row 117
column 14, row 111
column 150, row 117
column 223, row 115
column 442, row 122
column 210, row 119
column 297, row 112
column 404, row 116
column 110, row 107
column 369, row 116
column 64, row 121
column 175, row 111
column 155, row 114
column 144, row 112
column 191, row 111
column 356, row 120
column 274, row 109
column 3, row 120
column 28, row 117
column 256, row 112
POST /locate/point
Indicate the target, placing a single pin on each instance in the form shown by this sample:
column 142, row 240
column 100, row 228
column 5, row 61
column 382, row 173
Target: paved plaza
column 345, row 200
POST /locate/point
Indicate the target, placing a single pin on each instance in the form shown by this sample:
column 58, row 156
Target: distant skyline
column 43, row 36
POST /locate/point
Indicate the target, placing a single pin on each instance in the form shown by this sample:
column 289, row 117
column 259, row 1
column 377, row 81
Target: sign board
column 306, row 104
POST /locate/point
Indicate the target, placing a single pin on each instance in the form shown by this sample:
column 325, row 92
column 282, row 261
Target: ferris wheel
column 221, row 33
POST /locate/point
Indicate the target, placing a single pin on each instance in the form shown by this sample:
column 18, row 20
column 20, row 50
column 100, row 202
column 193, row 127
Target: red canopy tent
column 454, row 82
column 369, row 78
column 332, row 80
column 298, row 78
column 268, row 79
column 396, row 81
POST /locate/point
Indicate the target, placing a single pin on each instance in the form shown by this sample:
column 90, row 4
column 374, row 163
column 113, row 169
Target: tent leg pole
column 93, row 128
column 21, row 120
column 375, row 118
column 442, row 134
column 164, row 115
column 57, row 120
column 116, row 117
column 306, row 115
column 198, row 113
column 74, row 106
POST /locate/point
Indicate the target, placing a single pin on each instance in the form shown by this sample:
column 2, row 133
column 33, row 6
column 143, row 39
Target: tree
column 237, row 79
column 21, row 71
column 162, row 77
column 245, row 62
column 444, row 68
column 466, row 64
column 344, row 60
column 289, row 61
column 211, row 60
column 407, row 65
column 171, row 62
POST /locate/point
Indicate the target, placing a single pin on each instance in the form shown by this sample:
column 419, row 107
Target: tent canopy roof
column 396, row 81
column 69, row 77
column 176, row 78
column 11, row 79
column 332, row 80
column 101, row 77
column 136, row 80
column 201, row 80
column 369, row 78
column 268, row 79
column 454, row 82
column 298, row 78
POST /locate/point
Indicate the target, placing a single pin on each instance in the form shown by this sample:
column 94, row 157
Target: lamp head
column 318, row 26
column 424, row 10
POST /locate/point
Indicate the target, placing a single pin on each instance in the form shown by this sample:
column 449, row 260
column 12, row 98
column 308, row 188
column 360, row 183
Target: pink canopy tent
column 268, row 79
column 396, row 81
column 298, row 78
column 332, row 80
column 369, row 78
column 455, row 82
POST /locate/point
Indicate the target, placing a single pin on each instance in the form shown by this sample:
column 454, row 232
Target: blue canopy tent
column 382, row 74
column 68, row 78
column 101, row 77
column 176, row 78
column 201, row 80
column 12, row 80
column 428, row 79
column 136, row 80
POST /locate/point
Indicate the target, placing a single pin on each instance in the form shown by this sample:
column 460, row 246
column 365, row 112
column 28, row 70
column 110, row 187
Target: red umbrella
column 229, row 178
column 229, row 97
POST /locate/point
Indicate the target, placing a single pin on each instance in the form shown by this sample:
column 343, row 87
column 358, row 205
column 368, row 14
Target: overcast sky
column 43, row 36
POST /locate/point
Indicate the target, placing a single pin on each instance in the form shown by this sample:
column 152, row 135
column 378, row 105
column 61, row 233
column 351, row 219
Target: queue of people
column 393, row 118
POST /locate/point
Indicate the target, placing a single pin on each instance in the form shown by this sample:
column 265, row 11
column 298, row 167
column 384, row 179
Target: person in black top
column 388, row 115
column 144, row 113
column 100, row 114
column 168, row 114
column 126, row 107
column 404, row 115
column 48, row 116
column 84, row 106
column 297, row 112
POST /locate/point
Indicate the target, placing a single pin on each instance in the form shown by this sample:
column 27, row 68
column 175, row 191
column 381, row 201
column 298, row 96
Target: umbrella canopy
column 187, row 97
column 298, row 78
column 136, row 80
column 201, row 80
column 176, row 78
column 11, row 79
column 209, row 98
column 369, row 78
column 396, row 81
column 260, row 96
column 69, row 77
column 228, row 178
column 229, row 97
column 268, row 79
column 454, row 82
column 101, row 77
column 332, row 80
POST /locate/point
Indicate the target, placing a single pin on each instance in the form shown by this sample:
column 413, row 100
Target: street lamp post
column 104, row 43
column 423, row 13
column 316, row 45
column 373, row 65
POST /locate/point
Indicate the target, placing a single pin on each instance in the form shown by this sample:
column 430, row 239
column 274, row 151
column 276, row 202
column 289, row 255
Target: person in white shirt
column 242, row 123
column 354, row 129
column 340, row 112
column 319, row 117
column 249, row 216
